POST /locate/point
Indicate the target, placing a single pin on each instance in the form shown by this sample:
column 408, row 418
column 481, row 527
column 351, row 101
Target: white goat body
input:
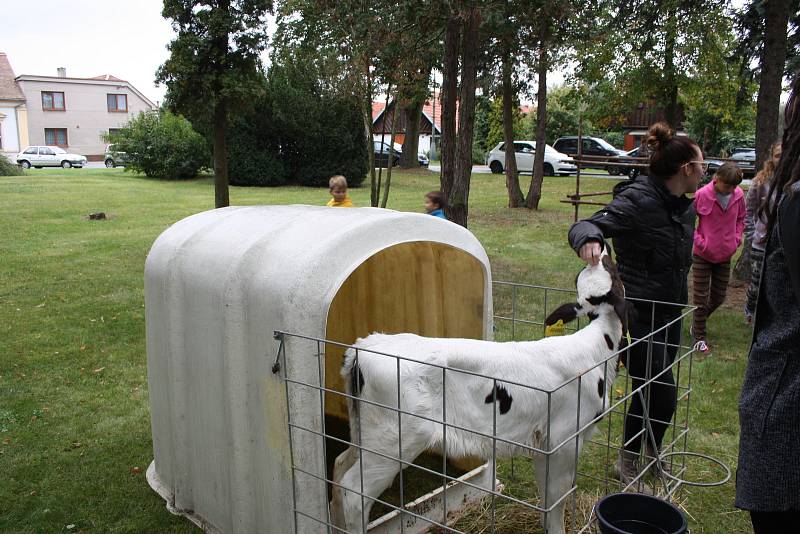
column 518, row 392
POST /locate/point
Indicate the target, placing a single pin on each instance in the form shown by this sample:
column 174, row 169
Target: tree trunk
column 670, row 81
column 385, row 198
column 221, row 195
column 459, row 199
column 448, row 98
column 366, row 113
column 413, row 114
column 772, row 64
column 515, row 198
column 535, row 191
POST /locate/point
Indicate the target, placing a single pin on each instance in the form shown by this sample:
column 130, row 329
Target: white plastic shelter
column 219, row 283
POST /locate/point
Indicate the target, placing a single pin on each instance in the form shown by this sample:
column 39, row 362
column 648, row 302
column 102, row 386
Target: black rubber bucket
column 634, row 513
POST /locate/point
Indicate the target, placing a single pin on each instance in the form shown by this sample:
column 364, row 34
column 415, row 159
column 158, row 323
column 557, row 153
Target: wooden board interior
column 424, row 288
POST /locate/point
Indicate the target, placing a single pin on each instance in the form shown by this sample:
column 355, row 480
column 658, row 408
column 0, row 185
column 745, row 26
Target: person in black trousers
column 651, row 224
column 768, row 473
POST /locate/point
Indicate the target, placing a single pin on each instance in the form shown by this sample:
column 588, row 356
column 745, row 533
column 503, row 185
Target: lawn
column 74, row 424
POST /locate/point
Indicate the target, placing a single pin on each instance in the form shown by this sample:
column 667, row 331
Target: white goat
column 469, row 401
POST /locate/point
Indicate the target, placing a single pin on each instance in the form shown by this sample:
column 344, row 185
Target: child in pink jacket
column 721, row 212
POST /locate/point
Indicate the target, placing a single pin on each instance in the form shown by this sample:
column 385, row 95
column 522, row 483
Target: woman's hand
column 590, row 252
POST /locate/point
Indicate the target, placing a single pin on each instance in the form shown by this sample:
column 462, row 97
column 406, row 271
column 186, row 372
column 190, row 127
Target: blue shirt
column 438, row 213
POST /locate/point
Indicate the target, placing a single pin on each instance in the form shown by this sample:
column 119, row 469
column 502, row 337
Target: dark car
column 629, row 163
column 745, row 159
column 595, row 148
column 382, row 153
column 113, row 158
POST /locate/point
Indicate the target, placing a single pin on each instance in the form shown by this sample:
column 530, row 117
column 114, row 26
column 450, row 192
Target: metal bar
column 444, row 442
column 513, row 312
column 400, row 448
column 357, row 411
column 282, row 348
column 494, row 450
column 320, row 362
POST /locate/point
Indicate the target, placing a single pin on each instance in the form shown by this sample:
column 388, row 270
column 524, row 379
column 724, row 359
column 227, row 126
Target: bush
column 9, row 169
column 320, row 132
column 162, row 145
column 254, row 153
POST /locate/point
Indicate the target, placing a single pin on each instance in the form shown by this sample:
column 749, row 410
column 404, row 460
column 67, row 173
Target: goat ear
column 622, row 308
column 566, row 313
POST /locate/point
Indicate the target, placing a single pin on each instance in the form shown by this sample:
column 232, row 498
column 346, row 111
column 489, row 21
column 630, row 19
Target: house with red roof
column 430, row 122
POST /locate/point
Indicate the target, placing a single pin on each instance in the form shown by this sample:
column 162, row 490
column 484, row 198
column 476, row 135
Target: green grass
column 74, row 423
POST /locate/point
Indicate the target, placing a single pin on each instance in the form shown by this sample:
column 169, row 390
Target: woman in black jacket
column 651, row 223
column 768, row 475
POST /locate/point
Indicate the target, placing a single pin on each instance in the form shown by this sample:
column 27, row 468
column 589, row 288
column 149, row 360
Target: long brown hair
column 767, row 172
column 787, row 172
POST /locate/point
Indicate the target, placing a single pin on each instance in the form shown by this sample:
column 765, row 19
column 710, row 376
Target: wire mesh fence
column 401, row 466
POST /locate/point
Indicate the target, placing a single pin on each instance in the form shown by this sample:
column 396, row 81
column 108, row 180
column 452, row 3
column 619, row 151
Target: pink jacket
column 719, row 232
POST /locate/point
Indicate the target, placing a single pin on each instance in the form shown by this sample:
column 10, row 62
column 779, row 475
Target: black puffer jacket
column 652, row 231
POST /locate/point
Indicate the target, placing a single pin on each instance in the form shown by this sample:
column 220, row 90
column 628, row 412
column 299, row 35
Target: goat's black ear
column 566, row 312
column 623, row 310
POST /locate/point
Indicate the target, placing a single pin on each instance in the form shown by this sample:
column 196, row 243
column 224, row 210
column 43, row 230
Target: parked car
column 745, row 159
column 382, row 154
column 554, row 161
column 595, row 147
column 49, row 156
column 114, row 158
column 627, row 163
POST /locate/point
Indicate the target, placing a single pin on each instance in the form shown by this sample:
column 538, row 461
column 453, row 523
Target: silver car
column 49, row 156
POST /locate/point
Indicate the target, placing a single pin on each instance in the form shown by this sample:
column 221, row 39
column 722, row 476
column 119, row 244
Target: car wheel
column 110, row 163
column 25, row 164
column 613, row 171
column 66, row 164
column 496, row 167
column 548, row 170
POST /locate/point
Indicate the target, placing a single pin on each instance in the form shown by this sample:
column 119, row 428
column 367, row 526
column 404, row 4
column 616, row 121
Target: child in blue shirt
column 434, row 202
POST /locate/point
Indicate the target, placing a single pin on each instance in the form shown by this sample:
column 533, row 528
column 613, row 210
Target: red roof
column 434, row 113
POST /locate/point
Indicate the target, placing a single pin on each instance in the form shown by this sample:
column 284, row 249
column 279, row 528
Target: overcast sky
column 125, row 38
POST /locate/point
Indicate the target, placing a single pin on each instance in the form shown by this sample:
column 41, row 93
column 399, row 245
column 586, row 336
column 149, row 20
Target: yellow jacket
column 346, row 203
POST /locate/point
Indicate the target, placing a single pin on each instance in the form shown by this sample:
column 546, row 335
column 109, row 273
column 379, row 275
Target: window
column 52, row 101
column 117, row 103
column 524, row 148
column 44, row 151
column 31, row 150
column 55, row 136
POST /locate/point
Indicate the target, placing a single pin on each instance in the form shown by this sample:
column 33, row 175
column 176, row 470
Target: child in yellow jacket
column 338, row 188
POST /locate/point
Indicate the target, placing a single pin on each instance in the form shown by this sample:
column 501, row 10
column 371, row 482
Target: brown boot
column 660, row 465
column 626, row 468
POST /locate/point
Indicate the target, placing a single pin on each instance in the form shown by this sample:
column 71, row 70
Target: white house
column 75, row 113
column 13, row 112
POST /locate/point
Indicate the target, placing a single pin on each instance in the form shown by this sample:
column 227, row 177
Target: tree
column 214, row 66
column 719, row 106
column 461, row 41
column 770, row 38
column 644, row 48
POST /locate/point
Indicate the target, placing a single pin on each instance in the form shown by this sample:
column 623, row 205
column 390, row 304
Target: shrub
column 162, row 145
column 254, row 153
column 320, row 131
column 9, row 169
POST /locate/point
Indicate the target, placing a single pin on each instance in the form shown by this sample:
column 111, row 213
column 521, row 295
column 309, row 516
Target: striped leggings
column 756, row 259
column 710, row 282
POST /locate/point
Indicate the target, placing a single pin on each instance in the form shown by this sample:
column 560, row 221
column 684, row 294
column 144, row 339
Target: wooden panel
column 423, row 288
